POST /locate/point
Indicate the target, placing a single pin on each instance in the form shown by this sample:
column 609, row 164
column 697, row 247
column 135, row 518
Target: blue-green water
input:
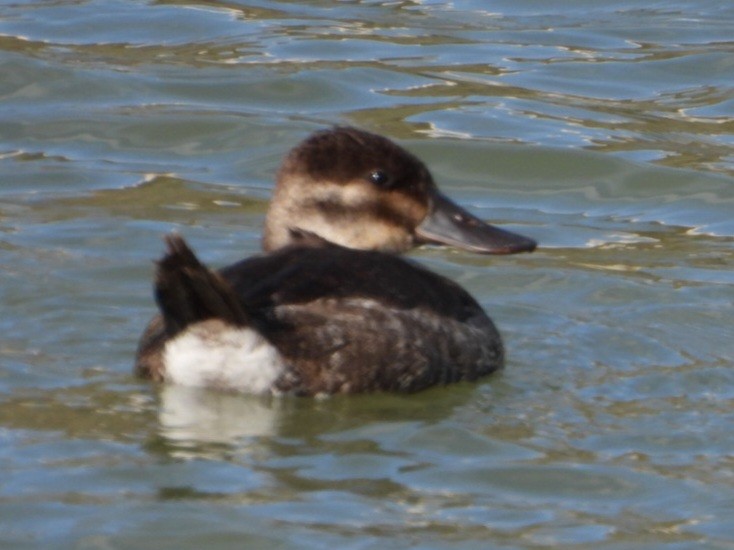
column 602, row 129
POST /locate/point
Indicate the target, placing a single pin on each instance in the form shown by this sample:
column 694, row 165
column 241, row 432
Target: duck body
column 328, row 320
column 330, row 307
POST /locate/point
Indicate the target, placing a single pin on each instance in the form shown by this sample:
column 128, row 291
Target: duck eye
column 378, row 177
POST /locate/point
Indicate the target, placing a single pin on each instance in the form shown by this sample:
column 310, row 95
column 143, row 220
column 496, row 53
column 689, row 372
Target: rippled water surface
column 603, row 129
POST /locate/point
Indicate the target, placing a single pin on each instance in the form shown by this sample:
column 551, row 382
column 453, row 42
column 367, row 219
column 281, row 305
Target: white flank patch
column 213, row 354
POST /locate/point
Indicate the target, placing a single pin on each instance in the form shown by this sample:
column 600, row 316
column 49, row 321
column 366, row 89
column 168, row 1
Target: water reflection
column 195, row 422
column 199, row 423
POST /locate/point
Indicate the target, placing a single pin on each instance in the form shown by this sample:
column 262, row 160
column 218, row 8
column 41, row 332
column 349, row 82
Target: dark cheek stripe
column 335, row 211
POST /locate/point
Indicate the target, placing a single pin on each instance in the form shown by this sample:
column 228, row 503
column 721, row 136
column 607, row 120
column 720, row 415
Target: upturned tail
column 188, row 292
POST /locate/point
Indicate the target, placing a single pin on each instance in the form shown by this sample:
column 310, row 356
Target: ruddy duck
column 330, row 308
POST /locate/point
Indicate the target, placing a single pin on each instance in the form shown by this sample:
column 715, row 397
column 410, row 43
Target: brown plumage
column 340, row 311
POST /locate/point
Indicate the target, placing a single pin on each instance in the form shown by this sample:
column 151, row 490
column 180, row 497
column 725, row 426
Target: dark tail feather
column 188, row 292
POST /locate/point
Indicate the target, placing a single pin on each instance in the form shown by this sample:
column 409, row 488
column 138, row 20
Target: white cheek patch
column 213, row 354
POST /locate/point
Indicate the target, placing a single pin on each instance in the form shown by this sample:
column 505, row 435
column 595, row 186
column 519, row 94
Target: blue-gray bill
column 448, row 223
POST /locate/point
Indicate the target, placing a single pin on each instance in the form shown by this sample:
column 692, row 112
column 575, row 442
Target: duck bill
column 448, row 223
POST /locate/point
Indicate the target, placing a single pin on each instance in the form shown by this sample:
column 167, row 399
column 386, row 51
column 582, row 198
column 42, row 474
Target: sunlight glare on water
column 601, row 129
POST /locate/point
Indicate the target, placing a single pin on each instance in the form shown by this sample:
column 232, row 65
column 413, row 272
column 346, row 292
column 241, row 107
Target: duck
column 330, row 306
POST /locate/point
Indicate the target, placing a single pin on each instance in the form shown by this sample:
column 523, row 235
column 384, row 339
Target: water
column 603, row 129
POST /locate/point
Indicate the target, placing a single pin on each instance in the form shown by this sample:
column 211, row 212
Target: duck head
column 360, row 190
